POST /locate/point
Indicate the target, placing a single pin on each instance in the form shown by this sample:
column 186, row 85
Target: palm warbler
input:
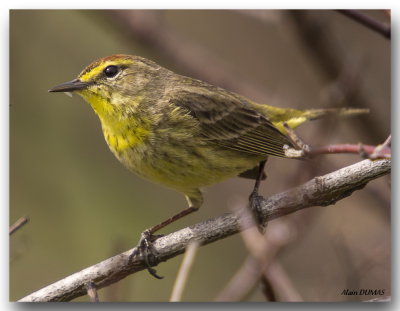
column 181, row 132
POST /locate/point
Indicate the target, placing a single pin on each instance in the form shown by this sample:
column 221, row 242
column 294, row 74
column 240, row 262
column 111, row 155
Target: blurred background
column 84, row 206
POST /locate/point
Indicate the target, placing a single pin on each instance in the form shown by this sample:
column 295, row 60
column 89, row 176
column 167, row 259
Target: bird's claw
column 255, row 207
column 145, row 249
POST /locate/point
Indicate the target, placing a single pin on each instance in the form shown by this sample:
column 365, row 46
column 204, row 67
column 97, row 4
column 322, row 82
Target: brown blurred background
column 84, row 206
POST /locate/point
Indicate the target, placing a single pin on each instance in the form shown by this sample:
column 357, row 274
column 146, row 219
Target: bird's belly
column 185, row 167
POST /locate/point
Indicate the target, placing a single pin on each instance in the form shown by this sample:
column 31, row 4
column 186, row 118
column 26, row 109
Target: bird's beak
column 70, row 86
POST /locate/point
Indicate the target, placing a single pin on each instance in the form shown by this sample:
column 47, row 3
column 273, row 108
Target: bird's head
column 113, row 80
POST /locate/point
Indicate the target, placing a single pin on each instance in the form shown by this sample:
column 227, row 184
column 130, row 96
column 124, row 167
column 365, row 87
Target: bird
column 181, row 132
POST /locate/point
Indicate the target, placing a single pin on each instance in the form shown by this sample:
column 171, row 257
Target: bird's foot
column 255, row 206
column 145, row 249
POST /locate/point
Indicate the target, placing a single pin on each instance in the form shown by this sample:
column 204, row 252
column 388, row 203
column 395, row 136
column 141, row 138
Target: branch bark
column 319, row 191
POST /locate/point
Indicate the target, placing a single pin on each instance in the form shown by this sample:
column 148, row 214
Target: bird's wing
column 231, row 122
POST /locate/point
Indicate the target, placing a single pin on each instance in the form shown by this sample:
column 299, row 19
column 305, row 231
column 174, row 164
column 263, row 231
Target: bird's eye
column 111, row 71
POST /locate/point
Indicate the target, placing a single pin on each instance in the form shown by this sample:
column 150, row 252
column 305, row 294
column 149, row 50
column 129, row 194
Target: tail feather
column 293, row 117
column 314, row 114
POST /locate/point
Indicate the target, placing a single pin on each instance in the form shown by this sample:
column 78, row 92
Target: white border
column 205, row 4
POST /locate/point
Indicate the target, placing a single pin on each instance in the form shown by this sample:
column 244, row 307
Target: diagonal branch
column 368, row 21
column 337, row 65
column 319, row 191
column 18, row 224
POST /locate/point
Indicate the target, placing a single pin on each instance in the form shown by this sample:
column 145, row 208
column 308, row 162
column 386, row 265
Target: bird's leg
column 255, row 199
column 145, row 246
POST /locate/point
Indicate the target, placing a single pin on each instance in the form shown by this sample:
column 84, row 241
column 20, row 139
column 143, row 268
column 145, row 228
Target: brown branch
column 367, row 151
column 263, row 250
column 368, row 21
column 301, row 149
column 319, row 191
column 281, row 283
column 333, row 60
column 18, row 224
column 243, row 281
column 279, row 235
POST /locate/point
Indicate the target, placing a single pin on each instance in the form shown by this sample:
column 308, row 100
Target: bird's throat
column 120, row 131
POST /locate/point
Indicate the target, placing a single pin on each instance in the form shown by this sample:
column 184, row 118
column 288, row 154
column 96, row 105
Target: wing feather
column 230, row 121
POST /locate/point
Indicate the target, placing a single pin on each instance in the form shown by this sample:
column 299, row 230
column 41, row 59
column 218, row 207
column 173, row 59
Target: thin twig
column 245, row 279
column 263, row 248
column 366, row 151
column 92, row 291
column 184, row 271
column 18, row 224
column 301, row 149
column 242, row 282
column 331, row 59
column 319, row 191
column 368, row 21
column 281, row 283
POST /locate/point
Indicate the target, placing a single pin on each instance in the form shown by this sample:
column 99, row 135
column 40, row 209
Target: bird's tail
column 293, row 117
column 314, row 114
